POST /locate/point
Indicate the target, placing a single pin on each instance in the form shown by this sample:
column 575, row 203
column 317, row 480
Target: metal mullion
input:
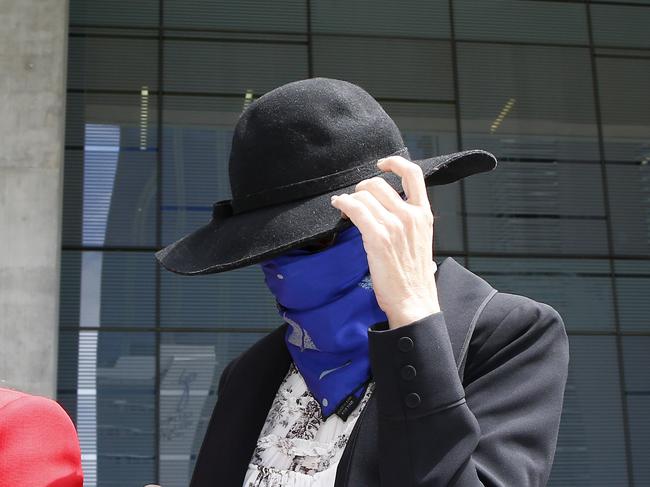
column 167, row 329
column 310, row 43
column 97, row 35
column 459, row 136
column 621, row 56
column 108, row 248
column 597, row 2
column 159, row 171
column 520, row 43
column 213, row 94
column 610, row 246
column 447, row 253
column 246, row 331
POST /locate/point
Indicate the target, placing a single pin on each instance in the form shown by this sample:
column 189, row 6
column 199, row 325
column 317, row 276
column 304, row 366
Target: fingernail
column 380, row 161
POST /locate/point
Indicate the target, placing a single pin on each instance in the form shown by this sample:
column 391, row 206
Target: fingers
column 360, row 214
column 384, row 193
column 412, row 178
column 380, row 201
column 378, row 211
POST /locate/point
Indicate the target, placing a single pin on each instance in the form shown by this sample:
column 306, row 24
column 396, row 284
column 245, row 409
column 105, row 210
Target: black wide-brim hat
column 292, row 149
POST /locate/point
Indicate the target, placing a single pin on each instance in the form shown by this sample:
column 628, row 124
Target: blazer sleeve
column 500, row 429
column 39, row 446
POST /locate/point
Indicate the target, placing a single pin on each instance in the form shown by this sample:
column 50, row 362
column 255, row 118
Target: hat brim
column 248, row 238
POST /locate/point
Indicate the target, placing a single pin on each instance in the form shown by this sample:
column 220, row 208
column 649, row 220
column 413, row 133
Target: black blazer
column 483, row 408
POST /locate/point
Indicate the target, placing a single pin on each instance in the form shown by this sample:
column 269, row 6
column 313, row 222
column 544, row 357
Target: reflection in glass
column 190, row 367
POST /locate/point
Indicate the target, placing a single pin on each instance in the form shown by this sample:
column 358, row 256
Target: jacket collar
column 240, row 413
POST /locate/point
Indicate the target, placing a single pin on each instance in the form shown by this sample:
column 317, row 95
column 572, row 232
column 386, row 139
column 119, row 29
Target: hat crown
column 306, row 130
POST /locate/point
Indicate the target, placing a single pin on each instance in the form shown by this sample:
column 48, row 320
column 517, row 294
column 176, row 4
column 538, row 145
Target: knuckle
column 394, row 224
column 408, row 213
column 428, row 217
column 403, row 212
column 346, row 199
column 383, row 238
column 361, row 184
column 375, row 182
column 381, row 184
column 362, row 194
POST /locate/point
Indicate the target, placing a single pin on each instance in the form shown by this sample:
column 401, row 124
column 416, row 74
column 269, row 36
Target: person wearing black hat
column 388, row 370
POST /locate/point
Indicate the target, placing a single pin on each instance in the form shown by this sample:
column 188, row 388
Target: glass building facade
column 558, row 91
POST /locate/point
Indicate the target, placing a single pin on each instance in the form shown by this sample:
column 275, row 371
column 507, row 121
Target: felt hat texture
column 292, row 149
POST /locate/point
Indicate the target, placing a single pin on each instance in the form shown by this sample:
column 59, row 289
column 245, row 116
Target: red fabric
column 39, row 446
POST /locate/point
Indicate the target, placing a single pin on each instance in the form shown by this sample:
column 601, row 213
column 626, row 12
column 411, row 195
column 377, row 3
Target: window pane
column 235, row 299
column 636, row 360
column 629, row 195
column 429, row 129
column 107, row 384
column 191, row 365
column 198, row 134
column 580, row 290
column 410, row 18
column 636, row 354
column 625, row 107
column 231, row 67
column 620, row 26
column 393, row 68
column 551, row 88
column 242, row 15
column 622, row 1
column 633, row 289
column 107, row 289
column 529, row 21
column 638, row 406
column 112, row 64
column 109, row 194
column 136, row 116
column 526, row 207
column 591, row 448
column 123, row 13
column 533, row 108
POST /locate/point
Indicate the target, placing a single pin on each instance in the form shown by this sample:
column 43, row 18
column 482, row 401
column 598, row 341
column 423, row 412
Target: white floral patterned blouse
column 296, row 448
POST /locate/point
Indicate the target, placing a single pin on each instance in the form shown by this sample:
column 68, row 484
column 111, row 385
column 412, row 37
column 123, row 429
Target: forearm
column 426, row 431
column 496, row 428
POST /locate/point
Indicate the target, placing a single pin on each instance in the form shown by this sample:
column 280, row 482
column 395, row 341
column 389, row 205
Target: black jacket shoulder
column 514, row 319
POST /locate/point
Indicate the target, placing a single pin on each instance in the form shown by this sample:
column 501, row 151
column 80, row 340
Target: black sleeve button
column 413, row 400
column 405, row 344
column 408, row 372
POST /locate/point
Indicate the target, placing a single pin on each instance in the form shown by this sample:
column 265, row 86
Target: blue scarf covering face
column 328, row 300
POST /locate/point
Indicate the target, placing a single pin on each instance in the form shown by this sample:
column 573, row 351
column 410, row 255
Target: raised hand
column 398, row 239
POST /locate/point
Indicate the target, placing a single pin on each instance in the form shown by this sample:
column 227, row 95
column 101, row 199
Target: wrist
column 409, row 313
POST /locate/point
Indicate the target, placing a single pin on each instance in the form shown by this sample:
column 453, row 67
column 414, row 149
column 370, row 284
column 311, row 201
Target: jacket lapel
column 240, row 413
column 239, row 416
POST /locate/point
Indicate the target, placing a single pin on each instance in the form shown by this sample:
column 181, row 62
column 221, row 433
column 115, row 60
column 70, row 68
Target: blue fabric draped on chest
column 327, row 299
